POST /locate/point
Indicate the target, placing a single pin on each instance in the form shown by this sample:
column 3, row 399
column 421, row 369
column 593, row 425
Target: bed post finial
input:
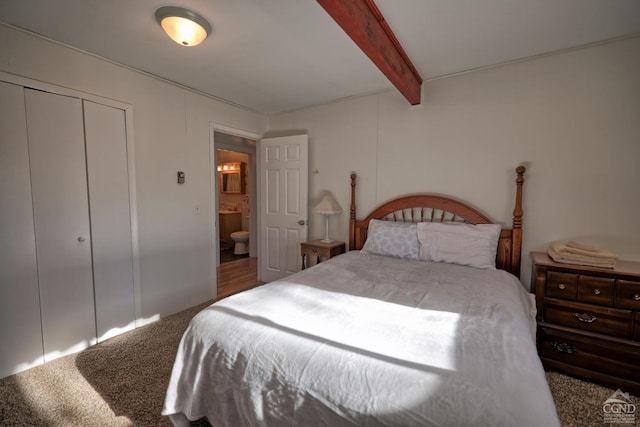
column 352, row 212
column 518, row 213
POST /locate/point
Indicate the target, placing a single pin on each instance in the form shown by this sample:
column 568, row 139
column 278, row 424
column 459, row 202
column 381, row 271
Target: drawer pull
column 314, row 250
column 562, row 286
column 563, row 347
column 584, row 317
column 596, row 291
column 636, row 297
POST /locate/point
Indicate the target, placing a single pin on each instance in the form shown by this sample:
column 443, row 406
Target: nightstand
column 320, row 249
column 589, row 320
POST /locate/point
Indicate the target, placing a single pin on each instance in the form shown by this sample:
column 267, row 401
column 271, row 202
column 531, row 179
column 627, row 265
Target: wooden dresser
column 589, row 320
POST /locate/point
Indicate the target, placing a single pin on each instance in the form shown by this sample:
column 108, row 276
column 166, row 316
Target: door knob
column 80, row 239
column 301, row 222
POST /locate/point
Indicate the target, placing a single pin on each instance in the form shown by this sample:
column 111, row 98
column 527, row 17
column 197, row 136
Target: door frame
column 214, row 190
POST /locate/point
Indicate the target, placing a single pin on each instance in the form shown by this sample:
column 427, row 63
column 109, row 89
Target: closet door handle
column 81, row 239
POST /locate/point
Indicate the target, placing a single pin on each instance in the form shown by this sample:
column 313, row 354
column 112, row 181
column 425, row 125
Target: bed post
column 516, row 242
column 352, row 214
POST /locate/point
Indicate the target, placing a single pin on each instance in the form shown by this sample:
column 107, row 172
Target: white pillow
column 391, row 238
column 459, row 243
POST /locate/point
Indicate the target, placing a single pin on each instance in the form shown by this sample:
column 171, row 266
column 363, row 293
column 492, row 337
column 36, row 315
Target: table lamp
column 328, row 205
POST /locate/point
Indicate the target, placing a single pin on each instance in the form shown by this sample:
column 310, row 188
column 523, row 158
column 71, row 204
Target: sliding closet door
column 61, row 219
column 20, row 330
column 106, row 144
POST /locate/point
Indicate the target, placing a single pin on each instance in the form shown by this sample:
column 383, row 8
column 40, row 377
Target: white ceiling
column 278, row 55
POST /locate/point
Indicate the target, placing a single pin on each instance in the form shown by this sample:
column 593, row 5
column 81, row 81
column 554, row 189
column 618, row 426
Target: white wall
column 572, row 118
column 171, row 133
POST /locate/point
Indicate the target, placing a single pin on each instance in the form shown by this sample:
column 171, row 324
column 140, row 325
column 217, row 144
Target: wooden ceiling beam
column 366, row 26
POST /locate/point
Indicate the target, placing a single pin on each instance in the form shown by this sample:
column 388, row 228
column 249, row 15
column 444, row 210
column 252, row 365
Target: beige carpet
column 122, row 382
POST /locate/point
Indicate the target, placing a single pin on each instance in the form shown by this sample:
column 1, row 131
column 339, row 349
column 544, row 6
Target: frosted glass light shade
column 185, row 27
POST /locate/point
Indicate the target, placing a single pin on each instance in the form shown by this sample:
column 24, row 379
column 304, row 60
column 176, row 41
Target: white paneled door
column 283, row 173
column 61, row 219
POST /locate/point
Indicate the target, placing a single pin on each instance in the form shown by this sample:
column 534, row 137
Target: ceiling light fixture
column 185, row 27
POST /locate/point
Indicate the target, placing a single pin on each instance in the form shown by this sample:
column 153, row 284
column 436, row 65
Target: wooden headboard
column 436, row 208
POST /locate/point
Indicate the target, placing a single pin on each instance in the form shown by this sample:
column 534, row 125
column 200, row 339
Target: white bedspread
column 366, row 340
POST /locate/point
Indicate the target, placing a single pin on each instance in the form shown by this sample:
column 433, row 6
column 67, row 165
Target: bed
column 383, row 335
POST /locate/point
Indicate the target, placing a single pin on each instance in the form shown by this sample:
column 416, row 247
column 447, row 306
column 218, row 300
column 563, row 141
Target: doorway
column 234, row 186
column 234, row 213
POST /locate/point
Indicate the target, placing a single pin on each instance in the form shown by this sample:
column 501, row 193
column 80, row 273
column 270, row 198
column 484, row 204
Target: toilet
column 240, row 238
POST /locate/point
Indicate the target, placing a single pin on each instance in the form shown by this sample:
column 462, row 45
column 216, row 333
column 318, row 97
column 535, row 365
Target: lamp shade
column 185, row 27
column 328, row 205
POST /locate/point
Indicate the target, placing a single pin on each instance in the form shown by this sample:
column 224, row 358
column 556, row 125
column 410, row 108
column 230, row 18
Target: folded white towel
column 574, row 248
column 581, row 260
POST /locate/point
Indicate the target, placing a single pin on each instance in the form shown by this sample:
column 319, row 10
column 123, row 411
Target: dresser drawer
column 596, row 290
column 603, row 320
column 608, row 357
column 316, row 251
column 628, row 295
column 562, row 285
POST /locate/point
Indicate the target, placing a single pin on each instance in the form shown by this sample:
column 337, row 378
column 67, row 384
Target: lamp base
column 326, row 239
